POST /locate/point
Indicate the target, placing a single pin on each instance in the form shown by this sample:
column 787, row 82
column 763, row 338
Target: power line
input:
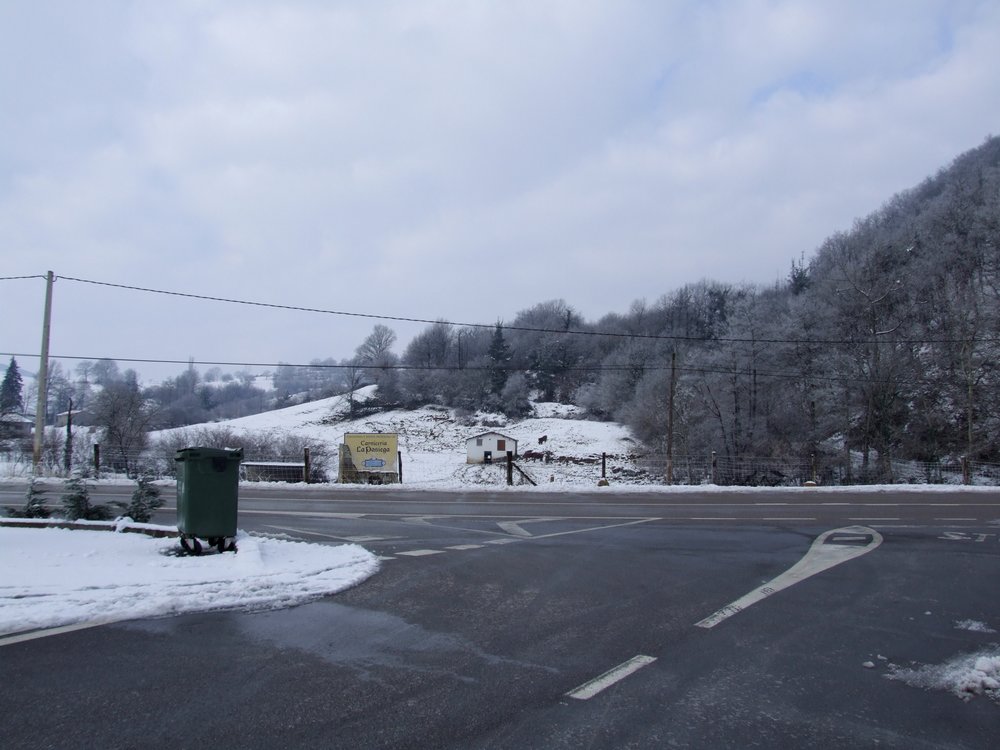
column 14, row 278
column 489, row 368
column 526, row 329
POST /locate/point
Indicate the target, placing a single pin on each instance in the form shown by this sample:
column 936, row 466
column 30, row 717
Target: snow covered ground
column 964, row 676
column 58, row 577
column 432, row 440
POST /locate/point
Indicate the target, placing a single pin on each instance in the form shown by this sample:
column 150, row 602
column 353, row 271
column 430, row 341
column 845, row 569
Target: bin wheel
column 191, row 545
column 220, row 544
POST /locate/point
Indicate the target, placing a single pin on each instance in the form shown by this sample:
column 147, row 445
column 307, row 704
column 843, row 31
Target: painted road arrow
column 830, row 549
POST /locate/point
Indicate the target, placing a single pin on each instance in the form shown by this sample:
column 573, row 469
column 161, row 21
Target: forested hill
column 884, row 344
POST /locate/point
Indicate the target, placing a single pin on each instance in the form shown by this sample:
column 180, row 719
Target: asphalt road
column 495, row 616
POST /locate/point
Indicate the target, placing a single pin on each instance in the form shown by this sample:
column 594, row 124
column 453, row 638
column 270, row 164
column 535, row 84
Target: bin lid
column 233, row 454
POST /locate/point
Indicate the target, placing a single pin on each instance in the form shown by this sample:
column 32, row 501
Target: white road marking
column 309, row 513
column 714, row 518
column 596, row 528
column 354, row 539
column 588, row 690
column 421, row 552
column 872, row 519
column 35, row 634
column 465, row 546
column 821, row 556
column 502, row 541
column 512, row 528
column 955, row 519
column 795, row 518
column 360, row 539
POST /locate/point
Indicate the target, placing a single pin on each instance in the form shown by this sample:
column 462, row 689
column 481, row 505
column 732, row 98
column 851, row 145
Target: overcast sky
column 454, row 159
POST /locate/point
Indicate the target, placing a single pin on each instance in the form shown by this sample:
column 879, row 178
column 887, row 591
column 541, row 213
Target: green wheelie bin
column 207, row 494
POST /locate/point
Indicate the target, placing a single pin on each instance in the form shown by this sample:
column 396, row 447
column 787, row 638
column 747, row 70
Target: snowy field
column 59, row 577
column 432, row 440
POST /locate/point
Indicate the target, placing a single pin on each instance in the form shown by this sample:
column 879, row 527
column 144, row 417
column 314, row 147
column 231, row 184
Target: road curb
column 40, row 523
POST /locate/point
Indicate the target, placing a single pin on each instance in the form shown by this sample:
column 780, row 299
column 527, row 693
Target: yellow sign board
column 375, row 451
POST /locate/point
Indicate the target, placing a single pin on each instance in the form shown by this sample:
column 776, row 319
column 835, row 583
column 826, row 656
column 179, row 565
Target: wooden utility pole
column 68, row 453
column 42, row 379
column 670, row 417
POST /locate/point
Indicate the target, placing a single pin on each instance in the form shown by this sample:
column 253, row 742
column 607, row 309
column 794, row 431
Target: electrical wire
column 489, row 368
column 527, row 329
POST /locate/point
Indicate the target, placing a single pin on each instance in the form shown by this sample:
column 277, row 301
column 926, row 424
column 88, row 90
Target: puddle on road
column 366, row 640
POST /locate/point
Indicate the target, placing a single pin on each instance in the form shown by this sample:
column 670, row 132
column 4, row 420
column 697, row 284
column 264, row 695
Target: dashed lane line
column 465, row 546
column 789, row 518
column 874, row 519
column 589, row 689
column 421, row 552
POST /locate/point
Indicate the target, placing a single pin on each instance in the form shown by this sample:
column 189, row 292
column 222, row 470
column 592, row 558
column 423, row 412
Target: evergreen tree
column 76, row 501
column 11, row 396
column 145, row 499
column 34, row 503
column 499, row 355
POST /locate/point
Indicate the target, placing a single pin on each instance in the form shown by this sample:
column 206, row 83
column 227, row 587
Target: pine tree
column 34, row 503
column 145, row 499
column 76, row 501
column 499, row 355
column 11, row 400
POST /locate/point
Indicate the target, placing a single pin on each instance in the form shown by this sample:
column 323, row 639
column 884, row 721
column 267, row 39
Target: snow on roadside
column 55, row 577
column 974, row 626
column 964, row 676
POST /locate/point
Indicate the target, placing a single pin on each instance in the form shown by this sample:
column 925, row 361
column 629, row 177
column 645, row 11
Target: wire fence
column 794, row 472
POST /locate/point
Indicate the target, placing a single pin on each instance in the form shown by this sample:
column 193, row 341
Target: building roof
column 490, row 432
column 16, row 419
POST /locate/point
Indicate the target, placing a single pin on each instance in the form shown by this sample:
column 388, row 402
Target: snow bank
column 55, row 577
column 964, row 676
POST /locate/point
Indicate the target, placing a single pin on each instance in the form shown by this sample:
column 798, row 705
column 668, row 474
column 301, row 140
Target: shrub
column 34, row 503
column 145, row 499
column 76, row 501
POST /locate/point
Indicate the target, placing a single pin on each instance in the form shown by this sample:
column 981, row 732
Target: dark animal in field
column 542, row 439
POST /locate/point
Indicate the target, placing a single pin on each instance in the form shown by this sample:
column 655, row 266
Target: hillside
column 432, row 440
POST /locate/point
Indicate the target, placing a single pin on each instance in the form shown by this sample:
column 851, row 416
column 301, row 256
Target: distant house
column 487, row 447
column 81, row 418
column 15, row 427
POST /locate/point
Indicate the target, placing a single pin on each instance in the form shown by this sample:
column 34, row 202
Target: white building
column 487, row 447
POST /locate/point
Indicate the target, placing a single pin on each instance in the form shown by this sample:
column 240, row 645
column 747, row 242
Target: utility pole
column 670, row 417
column 68, row 452
column 43, row 376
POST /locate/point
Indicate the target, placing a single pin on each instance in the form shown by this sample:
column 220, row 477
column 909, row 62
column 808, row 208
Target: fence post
column 97, row 459
column 966, row 474
column 604, row 466
column 715, row 469
column 399, row 463
column 510, row 468
column 306, row 468
column 812, row 460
